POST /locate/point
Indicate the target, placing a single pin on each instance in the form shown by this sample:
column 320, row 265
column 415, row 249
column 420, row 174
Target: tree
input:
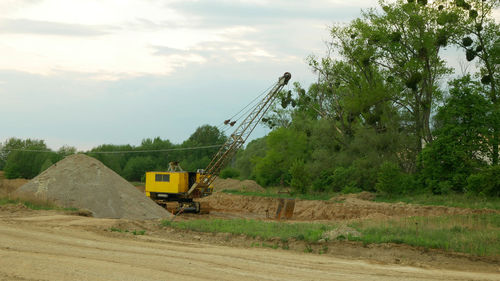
column 463, row 126
column 137, row 167
column 112, row 156
column 66, row 150
column 245, row 159
column 24, row 158
column 408, row 41
column 205, row 135
column 479, row 36
column 285, row 146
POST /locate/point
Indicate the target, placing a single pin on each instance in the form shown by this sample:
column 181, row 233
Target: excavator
column 179, row 188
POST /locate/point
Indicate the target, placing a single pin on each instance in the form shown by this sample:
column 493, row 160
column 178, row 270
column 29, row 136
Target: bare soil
column 234, row 184
column 51, row 245
column 338, row 208
column 56, row 245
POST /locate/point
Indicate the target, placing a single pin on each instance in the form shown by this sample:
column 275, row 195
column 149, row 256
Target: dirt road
column 52, row 246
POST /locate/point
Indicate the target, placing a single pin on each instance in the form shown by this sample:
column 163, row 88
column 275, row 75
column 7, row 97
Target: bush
column 343, row 178
column 300, row 177
column 486, row 182
column 229, row 173
column 389, row 179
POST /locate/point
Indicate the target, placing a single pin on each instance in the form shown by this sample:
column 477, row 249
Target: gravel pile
column 82, row 182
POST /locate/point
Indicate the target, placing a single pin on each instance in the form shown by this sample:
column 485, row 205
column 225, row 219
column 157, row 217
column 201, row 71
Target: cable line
column 122, row 151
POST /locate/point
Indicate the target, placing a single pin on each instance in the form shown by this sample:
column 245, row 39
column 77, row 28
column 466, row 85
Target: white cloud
column 114, row 39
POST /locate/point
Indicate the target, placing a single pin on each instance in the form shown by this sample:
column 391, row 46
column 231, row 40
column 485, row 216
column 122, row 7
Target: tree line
column 27, row 158
column 386, row 114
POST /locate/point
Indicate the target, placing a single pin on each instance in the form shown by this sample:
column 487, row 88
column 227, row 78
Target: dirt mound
column 233, row 184
column 342, row 230
column 351, row 208
column 83, row 182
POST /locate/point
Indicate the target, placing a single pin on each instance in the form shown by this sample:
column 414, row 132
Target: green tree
column 24, row 158
column 463, row 126
column 479, row 36
column 285, row 146
column 408, row 41
column 66, row 150
column 246, row 159
column 113, row 156
column 137, row 167
column 205, row 135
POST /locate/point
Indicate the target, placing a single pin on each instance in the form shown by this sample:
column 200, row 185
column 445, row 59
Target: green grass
column 310, row 232
column 34, row 204
column 451, row 200
column 134, row 232
column 473, row 234
column 268, row 193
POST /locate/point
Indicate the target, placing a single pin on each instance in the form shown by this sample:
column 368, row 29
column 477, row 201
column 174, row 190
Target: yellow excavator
column 178, row 188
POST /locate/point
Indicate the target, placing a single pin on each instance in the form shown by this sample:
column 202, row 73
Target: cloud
column 26, row 26
column 222, row 12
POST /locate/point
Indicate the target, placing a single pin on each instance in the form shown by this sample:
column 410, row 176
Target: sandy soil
column 338, row 209
column 50, row 245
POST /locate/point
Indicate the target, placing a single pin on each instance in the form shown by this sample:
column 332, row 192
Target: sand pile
column 233, row 184
column 351, row 208
column 80, row 181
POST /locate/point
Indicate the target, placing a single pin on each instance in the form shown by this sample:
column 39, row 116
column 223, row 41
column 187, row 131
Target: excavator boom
column 236, row 140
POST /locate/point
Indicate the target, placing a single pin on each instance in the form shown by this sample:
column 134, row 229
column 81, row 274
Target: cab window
column 162, row 177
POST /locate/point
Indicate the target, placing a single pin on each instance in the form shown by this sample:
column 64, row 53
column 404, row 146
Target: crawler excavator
column 179, row 188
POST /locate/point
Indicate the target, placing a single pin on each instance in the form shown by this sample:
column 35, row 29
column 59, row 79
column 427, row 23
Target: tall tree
column 408, row 41
column 479, row 36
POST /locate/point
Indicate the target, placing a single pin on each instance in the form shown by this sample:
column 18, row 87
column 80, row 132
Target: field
column 349, row 237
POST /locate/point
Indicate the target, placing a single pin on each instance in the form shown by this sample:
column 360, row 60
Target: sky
column 89, row 72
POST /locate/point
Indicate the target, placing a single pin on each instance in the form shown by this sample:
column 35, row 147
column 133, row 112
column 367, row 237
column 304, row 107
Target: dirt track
column 46, row 245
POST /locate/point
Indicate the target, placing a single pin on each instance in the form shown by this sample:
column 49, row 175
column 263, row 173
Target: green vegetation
column 34, row 204
column 18, row 161
column 451, row 200
column 134, row 232
column 367, row 123
column 387, row 114
column 273, row 194
column 473, row 234
column 309, row 232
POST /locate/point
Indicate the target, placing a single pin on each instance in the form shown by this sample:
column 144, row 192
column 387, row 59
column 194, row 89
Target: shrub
column 300, row 178
column 486, row 182
column 229, row 173
column 390, row 179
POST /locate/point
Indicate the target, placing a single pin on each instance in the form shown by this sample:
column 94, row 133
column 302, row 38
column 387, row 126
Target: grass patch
column 472, row 234
column 34, row 204
column 134, row 232
column 310, row 232
column 450, row 200
column 268, row 193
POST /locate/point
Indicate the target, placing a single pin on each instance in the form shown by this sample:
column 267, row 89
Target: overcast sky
column 89, row 72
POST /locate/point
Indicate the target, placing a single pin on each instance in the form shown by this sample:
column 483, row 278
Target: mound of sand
column 233, row 184
column 80, row 181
